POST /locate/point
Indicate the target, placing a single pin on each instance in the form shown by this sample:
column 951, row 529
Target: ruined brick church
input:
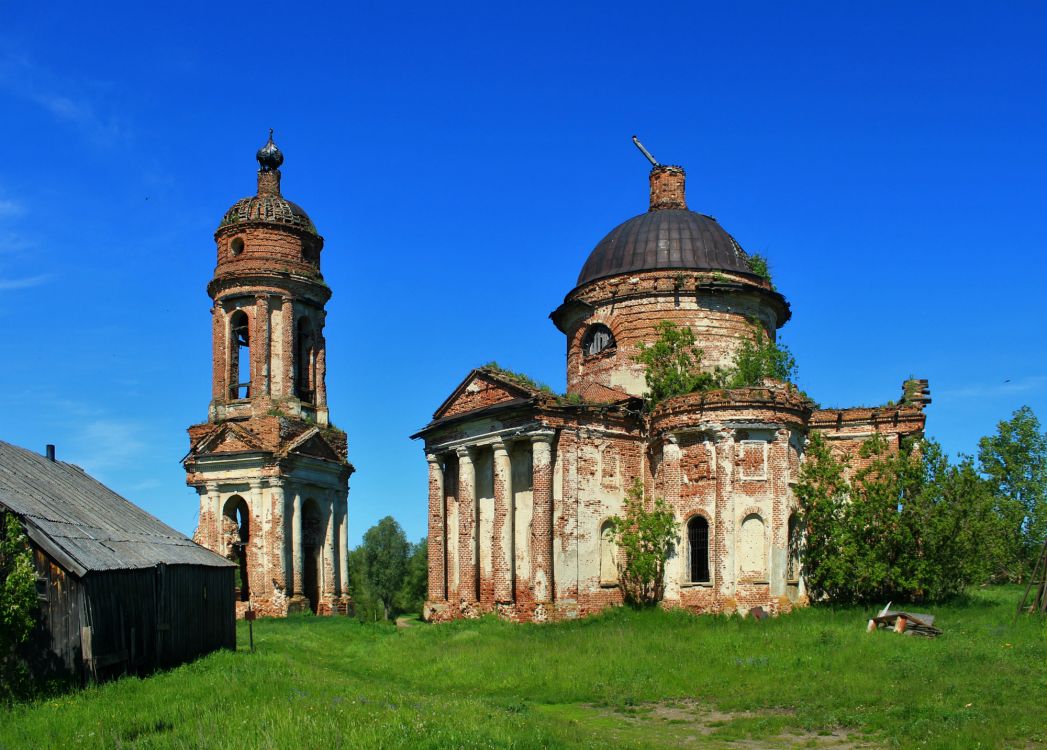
column 522, row 483
column 271, row 471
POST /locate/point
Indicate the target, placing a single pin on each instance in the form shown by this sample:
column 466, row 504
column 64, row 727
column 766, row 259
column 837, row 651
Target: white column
column 502, row 552
column 343, row 545
column 468, row 557
column 278, row 533
column 298, row 567
column 215, row 498
column 330, row 559
column 437, row 531
column 542, row 518
column 259, row 542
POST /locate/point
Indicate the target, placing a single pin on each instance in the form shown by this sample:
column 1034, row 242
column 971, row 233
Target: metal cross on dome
column 645, row 152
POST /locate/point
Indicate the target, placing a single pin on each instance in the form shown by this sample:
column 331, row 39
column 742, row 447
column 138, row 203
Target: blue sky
column 462, row 160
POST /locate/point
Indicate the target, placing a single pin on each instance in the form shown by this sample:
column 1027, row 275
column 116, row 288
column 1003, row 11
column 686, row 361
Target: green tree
column 18, row 607
column 759, row 357
column 825, row 549
column 645, row 536
column 672, row 364
column 416, row 581
column 385, row 550
column 366, row 606
column 908, row 526
column 1015, row 462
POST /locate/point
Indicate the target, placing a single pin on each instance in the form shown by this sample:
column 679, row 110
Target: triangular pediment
column 482, row 389
column 228, row 438
column 312, row 443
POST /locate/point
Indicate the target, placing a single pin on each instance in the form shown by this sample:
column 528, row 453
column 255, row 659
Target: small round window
column 597, row 339
column 237, row 245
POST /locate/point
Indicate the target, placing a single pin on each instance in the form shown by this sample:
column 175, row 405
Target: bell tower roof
column 268, row 206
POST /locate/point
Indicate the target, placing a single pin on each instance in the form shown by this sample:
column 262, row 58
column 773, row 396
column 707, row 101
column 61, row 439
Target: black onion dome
column 665, row 239
column 268, row 209
column 269, row 156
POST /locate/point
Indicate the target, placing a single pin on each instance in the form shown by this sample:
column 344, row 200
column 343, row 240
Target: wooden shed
column 120, row 591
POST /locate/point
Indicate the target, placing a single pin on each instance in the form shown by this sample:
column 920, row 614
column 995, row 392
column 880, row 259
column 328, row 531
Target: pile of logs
column 909, row 623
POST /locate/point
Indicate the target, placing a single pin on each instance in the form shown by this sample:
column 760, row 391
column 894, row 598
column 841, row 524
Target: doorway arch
column 237, row 527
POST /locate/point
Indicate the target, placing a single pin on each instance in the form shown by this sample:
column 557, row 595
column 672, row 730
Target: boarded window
column 597, row 339
column 698, row 549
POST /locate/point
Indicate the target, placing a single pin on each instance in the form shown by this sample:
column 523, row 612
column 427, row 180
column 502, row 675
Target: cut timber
column 910, row 623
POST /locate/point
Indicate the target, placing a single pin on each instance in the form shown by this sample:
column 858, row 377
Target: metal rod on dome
column 645, row 152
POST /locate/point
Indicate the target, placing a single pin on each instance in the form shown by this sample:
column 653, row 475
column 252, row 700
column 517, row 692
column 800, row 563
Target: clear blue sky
column 462, row 161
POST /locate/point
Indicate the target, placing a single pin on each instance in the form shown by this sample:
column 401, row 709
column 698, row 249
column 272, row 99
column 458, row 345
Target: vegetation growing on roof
column 759, row 357
column 673, row 363
column 758, row 265
column 518, row 377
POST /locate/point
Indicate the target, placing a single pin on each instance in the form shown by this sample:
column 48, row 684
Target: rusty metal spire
column 645, row 152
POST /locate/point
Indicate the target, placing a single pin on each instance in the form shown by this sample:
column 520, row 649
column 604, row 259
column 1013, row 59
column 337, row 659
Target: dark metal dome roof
column 268, row 206
column 662, row 239
column 269, row 209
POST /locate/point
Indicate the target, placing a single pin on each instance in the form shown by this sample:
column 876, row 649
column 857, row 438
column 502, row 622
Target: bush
column 759, row 357
column 907, row 527
column 645, row 536
column 18, row 608
column 672, row 364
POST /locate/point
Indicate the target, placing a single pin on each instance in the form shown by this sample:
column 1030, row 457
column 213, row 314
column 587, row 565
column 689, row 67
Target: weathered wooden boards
column 909, row 623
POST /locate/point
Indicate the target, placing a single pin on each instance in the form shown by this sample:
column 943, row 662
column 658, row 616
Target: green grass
column 625, row 679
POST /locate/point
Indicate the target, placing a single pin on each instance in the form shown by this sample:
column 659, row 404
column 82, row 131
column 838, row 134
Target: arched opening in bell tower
column 305, row 358
column 237, row 527
column 240, row 356
column 312, row 548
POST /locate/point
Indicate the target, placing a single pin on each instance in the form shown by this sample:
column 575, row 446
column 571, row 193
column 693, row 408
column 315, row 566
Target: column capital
column 670, row 439
column 464, row 454
column 254, row 483
column 433, row 458
column 211, row 487
column 542, row 436
column 501, row 446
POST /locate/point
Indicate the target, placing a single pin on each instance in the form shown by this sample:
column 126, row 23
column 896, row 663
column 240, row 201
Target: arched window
column 698, row 549
column 240, row 355
column 305, row 358
column 238, row 528
column 597, row 339
column 792, row 566
column 608, row 554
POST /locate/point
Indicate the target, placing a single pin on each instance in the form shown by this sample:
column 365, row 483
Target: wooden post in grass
column 249, row 616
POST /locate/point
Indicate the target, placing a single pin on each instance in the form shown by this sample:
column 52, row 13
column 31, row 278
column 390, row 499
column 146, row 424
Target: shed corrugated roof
column 84, row 524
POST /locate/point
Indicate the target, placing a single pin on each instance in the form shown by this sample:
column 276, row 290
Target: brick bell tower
column 271, row 470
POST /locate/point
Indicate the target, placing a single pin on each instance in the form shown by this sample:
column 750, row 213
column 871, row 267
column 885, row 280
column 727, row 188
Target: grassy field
column 625, row 679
